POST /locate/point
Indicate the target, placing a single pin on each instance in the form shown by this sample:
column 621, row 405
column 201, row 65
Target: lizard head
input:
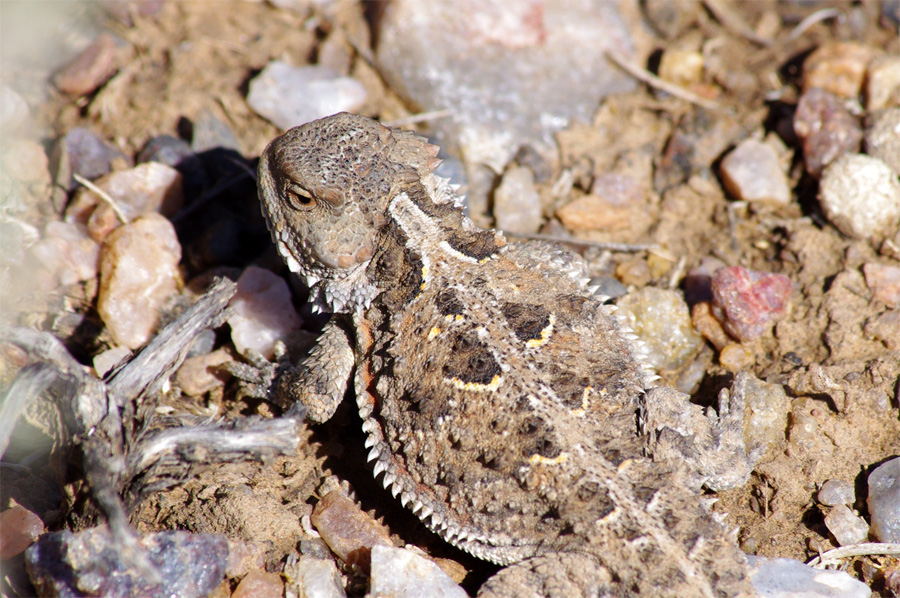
column 325, row 187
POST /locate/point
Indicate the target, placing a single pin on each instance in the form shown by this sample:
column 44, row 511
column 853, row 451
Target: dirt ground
column 194, row 59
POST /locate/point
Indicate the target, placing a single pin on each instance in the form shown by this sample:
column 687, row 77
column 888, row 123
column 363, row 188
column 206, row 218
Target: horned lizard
column 504, row 404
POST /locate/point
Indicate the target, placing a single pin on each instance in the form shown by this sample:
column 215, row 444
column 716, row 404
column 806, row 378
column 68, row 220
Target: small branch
column 733, row 22
column 102, row 195
column 654, row 81
column 816, row 17
column 625, row 247
column 165, row 456
column 864, row 549
column 145, row 374
column 31, row 382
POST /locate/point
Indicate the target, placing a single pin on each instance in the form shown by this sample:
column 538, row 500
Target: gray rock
column 836, row 492
column 860, row 195
column 662, row 321
column 92, row 562
column 767, row 406
column 401, row 573
column 752, row 172
column 87, row 154
column 289, row 96
column 517, row 206
column 846, row 527
column 311, row 577
column 787, row 578
column 211, row 133
column 491, row 63
column 827, row 129
column 883, row 137
column 884, row 501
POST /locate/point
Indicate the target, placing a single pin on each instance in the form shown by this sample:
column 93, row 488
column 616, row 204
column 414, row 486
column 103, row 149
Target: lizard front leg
column 320, row 380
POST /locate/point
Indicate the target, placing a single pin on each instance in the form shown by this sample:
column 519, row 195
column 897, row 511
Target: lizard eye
column 299, row 198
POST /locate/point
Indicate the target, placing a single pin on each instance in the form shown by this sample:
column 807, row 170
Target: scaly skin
column 504, row 404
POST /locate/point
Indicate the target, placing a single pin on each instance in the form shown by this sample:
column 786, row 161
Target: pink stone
column 827, row 129
column 90, row 69
column 348, row 530
column 138, row 274
column 19, row 528
column 747, row 302
column 884, row 282
column 263, row 312
column 67, row 253
column 259, row 584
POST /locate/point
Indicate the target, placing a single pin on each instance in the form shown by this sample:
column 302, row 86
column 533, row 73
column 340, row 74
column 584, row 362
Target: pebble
column 138, row 274
column 311, row 577
column 671, row 19
column 634, row 271
column 144, row 189
column 259, row 584
column 846, row 527
column 885, row 327
column 210, row 133
column 19, row 528
column 401, row 573
column 15, row 116
column 105, row 361
column 884, row 501
column 490, row 60
column 787, row 578
column 884, row 282
column 592, row 212
column 89, row 563
column 201, row 374
column 85, row 153
column 165, row 149
column 860, row 195
column 836, row 492
column 883, row 138
column 244, row 557
column 662, row 321
column 682, row 67
column 517, row 205
column 349, row 531
column 767, row 406
column 290, row 96
column 26, row 161
column 752, row 172
column 203, row 343
column 67, row 253
column 838, row 68
column 826, row 128
column 178, row 154
column 883, row 83
column 263, row 312
column 735, row 357
column 90, row 69
column 747, row 302
column 608, row 287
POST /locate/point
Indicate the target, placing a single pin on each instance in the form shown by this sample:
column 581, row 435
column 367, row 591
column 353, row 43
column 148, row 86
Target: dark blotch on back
column 400, row 268
column 478, row 245
column 448, row 304
column 470, row 361
column 527, row 321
